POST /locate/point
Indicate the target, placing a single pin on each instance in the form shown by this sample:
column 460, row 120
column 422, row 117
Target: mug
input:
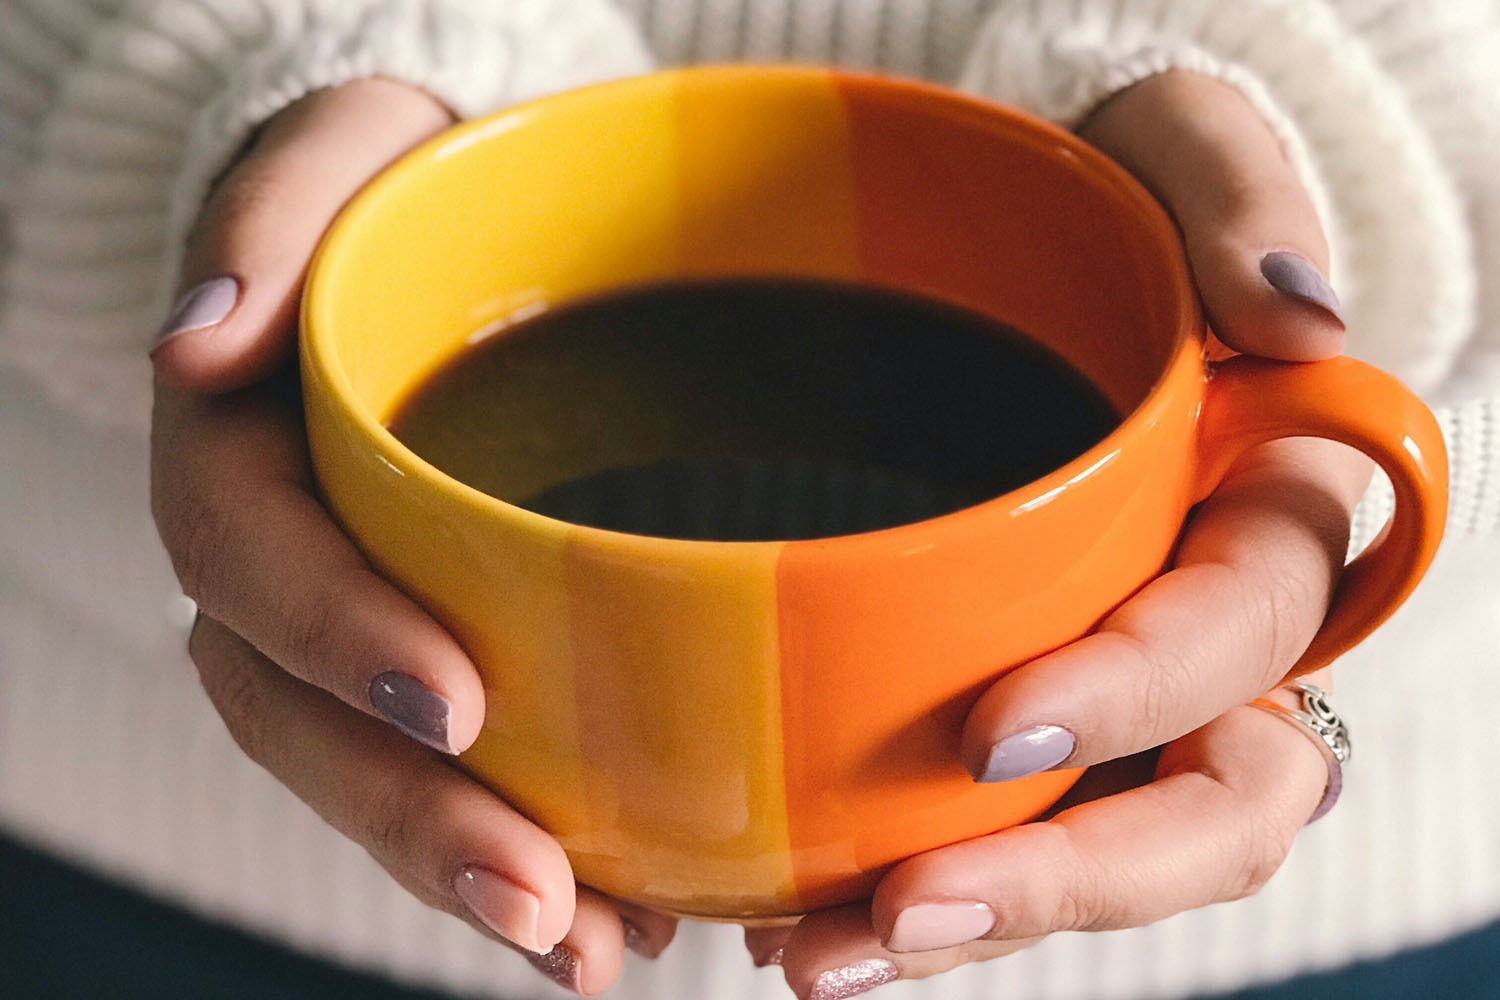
column 752, row 730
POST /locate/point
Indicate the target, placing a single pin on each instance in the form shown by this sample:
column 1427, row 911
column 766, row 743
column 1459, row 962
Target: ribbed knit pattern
column 114, row 114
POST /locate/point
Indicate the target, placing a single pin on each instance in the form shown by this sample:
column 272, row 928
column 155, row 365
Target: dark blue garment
column 68, row 935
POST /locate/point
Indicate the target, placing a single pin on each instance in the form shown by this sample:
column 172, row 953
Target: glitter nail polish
column 559, row 965
column 852, row 980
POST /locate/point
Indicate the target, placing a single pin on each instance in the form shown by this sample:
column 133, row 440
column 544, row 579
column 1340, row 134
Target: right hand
column 304, row 650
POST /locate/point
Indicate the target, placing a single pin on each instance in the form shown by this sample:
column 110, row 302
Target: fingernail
column 635, row 939
column 852, row 980
column 500, row 905
column 772, row 959
column 559, row 965
column 200, row 306
column 414, row 708
column 1330, row 791
column 1296, row 276
column 1030, row 751
column 930, row 926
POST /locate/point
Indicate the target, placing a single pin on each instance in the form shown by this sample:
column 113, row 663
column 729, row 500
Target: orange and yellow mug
column 750, row 730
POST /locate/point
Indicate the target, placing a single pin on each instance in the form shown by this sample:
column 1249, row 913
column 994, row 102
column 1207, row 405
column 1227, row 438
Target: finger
column 1253, row 237
column 235, row 316
column 646, row 932
column 1217, row 822
column 587, row 959
column 451, row 842
column 765, row 943
column 1213, row 826
column 1253, row 576
column 234, row 503
column 837, row 954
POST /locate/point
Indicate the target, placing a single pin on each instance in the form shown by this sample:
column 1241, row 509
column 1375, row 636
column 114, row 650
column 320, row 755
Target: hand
column 305, row 651
column 1212, row 813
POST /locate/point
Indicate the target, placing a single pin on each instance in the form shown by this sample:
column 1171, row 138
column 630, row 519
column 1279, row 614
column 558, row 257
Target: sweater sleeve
column 118, row 114
column 1404, row 260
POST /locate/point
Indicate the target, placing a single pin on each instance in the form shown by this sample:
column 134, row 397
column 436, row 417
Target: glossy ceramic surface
column 752, row 730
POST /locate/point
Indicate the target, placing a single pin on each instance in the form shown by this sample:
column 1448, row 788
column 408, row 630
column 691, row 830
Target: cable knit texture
column 115, row 114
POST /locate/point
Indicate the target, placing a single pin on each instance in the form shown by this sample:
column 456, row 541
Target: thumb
column 235, row 318
column 1253, row 237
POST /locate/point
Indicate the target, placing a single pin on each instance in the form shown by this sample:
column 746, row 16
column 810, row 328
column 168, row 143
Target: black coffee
column 752, row 409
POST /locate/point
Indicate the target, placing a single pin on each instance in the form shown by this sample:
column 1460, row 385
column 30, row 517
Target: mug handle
column 1250, row 401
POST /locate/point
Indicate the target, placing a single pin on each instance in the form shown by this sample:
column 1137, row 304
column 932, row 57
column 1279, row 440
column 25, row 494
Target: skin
column 1204, row 797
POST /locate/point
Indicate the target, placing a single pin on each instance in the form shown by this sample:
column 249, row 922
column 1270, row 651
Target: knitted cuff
column 471, row 55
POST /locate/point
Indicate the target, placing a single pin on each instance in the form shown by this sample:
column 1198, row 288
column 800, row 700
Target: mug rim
column 319, row 355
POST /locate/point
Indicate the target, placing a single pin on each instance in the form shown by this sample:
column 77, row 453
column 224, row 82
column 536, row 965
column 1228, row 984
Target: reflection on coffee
column 752, row 409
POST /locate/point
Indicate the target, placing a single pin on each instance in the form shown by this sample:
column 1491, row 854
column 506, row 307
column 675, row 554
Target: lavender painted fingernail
column 1030, row 751
column 559, row 965
column 1330, row 792
column 200, row 306
column 1296, row 276
column 852, row 980
column 414, row 708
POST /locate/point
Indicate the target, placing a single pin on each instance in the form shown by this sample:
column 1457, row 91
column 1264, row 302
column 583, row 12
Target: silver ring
column 1328, row 732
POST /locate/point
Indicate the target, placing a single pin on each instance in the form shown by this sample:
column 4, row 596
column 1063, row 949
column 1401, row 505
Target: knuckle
column 1262, row 854
column 1288, row 607
column 236, row 694
column 242, row 195
column 1164, row 673
column 1285, row 603
column 1070, row 910
column 393, row 828
column 312, row 636
column 199, row 542
column 1085, row 903
column 1070, row 895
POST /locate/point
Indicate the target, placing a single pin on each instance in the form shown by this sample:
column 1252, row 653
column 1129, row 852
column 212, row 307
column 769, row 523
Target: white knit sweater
column 115, row 113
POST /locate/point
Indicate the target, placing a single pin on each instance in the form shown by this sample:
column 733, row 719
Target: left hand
column 1210, row 815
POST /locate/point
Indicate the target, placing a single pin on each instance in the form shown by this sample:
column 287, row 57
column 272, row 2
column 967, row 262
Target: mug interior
column 746, row 172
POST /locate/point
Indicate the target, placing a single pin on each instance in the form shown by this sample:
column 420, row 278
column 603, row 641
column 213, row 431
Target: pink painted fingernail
column 200, row 306
column 852, row 980
column 500, row 904
column 559, row 965
column 930, row 926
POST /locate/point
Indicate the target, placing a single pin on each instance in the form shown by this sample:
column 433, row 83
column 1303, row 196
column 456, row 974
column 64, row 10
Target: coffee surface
column 752, row 409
